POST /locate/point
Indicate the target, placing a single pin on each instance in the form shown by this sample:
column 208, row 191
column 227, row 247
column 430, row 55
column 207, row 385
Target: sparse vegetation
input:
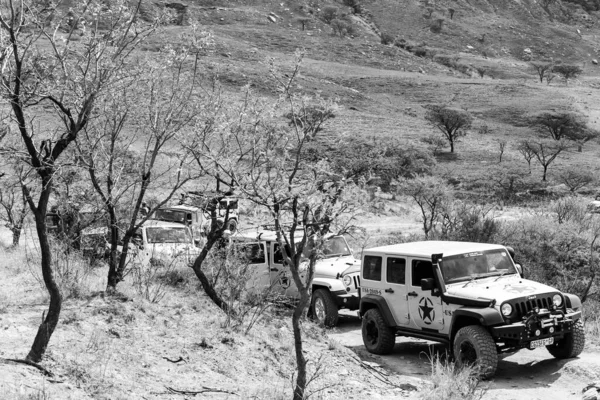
column 452, row 123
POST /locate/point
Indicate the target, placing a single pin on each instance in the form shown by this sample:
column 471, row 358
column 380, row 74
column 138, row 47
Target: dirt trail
column 524, row 375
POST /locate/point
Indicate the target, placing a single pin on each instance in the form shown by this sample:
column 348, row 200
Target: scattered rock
column 595, row 62
column 470, row 47
column 527, row 50
column 591, row 391
column 272, row 18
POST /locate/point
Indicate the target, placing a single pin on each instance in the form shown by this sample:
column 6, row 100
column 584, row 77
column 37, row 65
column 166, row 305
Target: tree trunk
column 42, row 338
column 16, row 235
column 299, row 312
column 206, row 285
column 451, row 146
column 544, row 175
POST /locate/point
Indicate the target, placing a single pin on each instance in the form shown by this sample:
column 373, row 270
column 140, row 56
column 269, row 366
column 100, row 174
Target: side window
column 421, row 269
column 372, row 268
column 396, row 270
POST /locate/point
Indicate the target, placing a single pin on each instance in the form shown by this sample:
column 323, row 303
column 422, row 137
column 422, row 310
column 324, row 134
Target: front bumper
column 537, row 325
column 343, row 299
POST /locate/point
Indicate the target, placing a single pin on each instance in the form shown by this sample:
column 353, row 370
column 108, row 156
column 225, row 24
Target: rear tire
column 323, row 308
column 378, row 337
column 571, row 345
column 474, row 346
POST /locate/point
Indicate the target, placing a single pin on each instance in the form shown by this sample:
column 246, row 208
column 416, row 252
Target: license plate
column 542, row 342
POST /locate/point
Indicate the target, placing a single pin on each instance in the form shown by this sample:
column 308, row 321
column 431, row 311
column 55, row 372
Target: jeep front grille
column 522, row 308
column 356, row 279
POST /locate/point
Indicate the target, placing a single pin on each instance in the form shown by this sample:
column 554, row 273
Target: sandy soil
column 524, row 375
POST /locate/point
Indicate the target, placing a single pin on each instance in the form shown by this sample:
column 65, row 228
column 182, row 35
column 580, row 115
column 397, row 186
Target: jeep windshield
column 479, row 264
column 335, row 246
column 168, row 235
column 170, row 215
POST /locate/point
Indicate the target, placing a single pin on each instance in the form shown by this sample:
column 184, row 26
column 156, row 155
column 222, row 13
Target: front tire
column 571, row 345
column 474, row 346
column 232, row 225
column 323, row 308
column 378, row 337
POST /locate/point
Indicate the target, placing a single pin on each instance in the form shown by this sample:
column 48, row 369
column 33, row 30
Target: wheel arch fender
column 573, row 301
column 369, row 301
column 474, row 316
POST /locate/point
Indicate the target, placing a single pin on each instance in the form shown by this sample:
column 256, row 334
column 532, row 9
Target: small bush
column 329, row 13
column 420, row 52
column 447, row 60
column 386, row 38
column 342, row 27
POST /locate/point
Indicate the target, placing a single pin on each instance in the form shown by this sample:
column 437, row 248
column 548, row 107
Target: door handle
column 390, row 290
column 413, row 294
column 274, row 269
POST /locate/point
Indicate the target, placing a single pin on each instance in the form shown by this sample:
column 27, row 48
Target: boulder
column 272, row 18
column 527, row 50
column 595, row 62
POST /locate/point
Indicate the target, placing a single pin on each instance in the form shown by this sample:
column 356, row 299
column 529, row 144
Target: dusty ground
column 524, row 375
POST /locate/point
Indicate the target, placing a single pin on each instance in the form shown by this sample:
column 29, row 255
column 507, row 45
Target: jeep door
column 281, row 276
column 254, row 253
column 426, row 310
column 395, row 290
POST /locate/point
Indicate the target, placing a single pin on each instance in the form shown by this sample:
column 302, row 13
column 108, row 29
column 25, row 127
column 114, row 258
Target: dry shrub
column 592, row 320
column 451, row 382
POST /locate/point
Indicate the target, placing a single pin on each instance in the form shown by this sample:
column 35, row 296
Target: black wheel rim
column 468, row 355
column 372, row 332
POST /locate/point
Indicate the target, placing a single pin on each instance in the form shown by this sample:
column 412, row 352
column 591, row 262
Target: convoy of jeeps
column 471, row 296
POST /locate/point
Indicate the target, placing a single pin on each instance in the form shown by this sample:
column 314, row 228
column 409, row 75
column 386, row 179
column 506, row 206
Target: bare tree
column 153, row 111
column 542, row 68
column 265, row 160
column 576, row 178
column 502, row 146
column 526, row 152
column 431, row 195
column 452, row 123
column 45, row 72
column 546, row 152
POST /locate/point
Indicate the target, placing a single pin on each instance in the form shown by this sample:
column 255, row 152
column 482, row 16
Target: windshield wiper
column 501, row 274
column 470, row 281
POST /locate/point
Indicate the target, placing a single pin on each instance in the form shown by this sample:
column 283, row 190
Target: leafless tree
column 432, row 195
column 45, row 71
column 502, row 146
column 526, row 152
column 542, row 68
column 546, row 152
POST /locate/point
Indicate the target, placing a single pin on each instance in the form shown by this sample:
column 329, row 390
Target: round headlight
column 347, row 280
column 557, row 300
column 506, row 309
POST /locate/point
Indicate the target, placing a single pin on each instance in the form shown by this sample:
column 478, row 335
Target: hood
column 335, row 265
column 172, row 249
column 500, row 289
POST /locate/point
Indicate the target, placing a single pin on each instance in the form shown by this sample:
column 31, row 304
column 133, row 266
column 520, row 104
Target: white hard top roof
column 262, row 234
column 181, row 207
column 427, row 248
column 156, row 223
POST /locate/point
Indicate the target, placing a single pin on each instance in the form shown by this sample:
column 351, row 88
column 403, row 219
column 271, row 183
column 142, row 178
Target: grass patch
column 451, row 382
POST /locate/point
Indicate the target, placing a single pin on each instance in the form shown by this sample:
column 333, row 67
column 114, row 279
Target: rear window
column 396, row 270
column 252, row 252
column 372, row 268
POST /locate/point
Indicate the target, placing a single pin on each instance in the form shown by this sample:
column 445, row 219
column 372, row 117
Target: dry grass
column 448, row 382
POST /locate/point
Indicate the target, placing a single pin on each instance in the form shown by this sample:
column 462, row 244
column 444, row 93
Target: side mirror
column 519, row 269
column 427, row 284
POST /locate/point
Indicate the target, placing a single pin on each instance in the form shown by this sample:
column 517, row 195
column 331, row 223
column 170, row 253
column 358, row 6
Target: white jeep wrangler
column 336, row 278
column 469, row 295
